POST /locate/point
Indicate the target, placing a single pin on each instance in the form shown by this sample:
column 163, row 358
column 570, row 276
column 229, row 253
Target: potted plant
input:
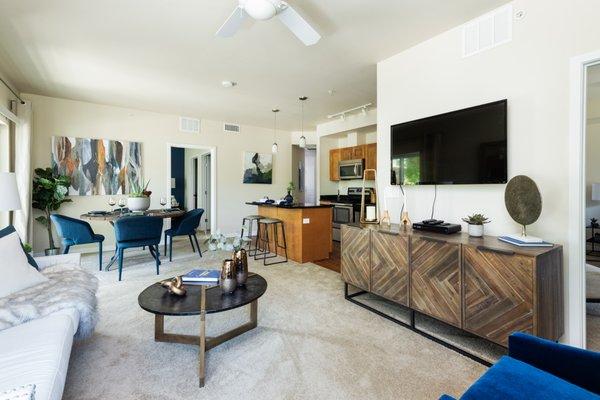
column 49, row 192
column 139, row 196
column 289, row 199
column 476, row 222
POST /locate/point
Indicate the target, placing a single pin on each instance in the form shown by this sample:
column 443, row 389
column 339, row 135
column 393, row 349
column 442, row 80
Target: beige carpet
column 310, row 344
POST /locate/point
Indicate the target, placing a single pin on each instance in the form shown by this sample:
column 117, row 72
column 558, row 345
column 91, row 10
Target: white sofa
column 38, row 351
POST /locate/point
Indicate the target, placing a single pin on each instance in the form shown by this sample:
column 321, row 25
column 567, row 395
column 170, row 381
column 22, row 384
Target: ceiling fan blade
column 233, row 23
column 299, row 27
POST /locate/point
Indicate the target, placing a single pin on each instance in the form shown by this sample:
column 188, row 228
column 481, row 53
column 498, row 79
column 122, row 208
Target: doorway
column 191, row 174
column 200, row 191
column 582, row 327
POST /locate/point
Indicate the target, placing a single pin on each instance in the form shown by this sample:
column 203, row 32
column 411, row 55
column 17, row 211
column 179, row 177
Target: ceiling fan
column 263, row 10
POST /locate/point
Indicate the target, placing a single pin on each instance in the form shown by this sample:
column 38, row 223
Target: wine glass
column 122, row 203
column 163, row 202
column 111, row 203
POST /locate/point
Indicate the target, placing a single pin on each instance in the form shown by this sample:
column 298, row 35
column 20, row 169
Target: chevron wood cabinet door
column 389, row 266
column 435, row 287
column 356, row 263
column 499, row 293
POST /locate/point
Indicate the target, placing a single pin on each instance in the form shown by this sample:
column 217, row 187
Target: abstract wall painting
column 258, row 168
column 97, row 166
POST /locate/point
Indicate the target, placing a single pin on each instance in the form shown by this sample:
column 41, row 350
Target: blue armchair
column 184, row 226
column 539, row 369
column 74, row 232
column 138, row 232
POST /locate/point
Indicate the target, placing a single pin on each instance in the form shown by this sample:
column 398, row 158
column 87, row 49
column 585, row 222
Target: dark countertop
column 490, row 242
column 292, row 206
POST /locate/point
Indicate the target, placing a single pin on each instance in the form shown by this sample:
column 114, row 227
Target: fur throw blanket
column 68, row 286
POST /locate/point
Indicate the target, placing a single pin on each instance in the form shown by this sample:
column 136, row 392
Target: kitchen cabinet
column 334, row 161
column 367, row 152
column 371, row 159
column 347, row 153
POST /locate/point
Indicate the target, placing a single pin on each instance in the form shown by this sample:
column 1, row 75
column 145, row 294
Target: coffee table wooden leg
column 159, row 327
column 202, row 350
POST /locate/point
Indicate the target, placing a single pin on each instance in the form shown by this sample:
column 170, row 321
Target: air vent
column 189, row 125
column 231, row 128
column 488, row 31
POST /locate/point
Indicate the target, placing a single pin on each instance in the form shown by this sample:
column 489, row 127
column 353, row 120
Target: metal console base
column 412, row 326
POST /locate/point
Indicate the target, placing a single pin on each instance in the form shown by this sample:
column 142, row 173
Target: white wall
column 532, row 72
column 62, row 117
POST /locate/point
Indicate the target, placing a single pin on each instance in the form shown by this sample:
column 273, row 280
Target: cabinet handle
column 436, row 240
column 499, row 251
column 389, row 233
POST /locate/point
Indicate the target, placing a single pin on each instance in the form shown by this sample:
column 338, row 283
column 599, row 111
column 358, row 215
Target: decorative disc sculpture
column 523, row 202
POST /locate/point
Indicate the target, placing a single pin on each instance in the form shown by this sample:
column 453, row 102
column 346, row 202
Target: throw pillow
column 15, row 272
column 25, row 392
column 10, row 229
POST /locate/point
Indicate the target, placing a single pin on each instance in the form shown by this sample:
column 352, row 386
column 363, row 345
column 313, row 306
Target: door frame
column 213, row 177
column 575, row 296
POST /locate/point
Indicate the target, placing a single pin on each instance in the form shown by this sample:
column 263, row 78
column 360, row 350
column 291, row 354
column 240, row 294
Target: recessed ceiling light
column 228, row 84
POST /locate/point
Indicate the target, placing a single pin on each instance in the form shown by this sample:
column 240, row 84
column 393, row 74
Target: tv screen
column 461, row 147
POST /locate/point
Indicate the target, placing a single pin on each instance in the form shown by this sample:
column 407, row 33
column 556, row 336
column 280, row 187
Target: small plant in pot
column 289, row 199
column 49, row 192
column 139, row 196
column 476, row 223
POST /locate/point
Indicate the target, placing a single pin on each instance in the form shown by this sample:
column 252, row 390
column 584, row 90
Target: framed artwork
column 258, row 168
column 97, row 166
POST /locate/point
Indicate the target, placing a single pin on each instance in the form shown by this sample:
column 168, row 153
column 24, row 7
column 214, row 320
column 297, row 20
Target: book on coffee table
column 200, row 276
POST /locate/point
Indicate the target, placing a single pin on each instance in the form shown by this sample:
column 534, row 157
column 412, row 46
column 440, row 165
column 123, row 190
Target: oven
column 351, row 169
column 342, row 214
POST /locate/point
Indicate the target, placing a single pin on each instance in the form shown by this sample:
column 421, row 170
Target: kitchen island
column 307, row 229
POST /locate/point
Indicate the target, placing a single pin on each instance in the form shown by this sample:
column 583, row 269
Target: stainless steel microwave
column 351, row 169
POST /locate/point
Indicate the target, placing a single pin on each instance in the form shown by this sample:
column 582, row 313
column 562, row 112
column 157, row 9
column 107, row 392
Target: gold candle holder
column 405, row 220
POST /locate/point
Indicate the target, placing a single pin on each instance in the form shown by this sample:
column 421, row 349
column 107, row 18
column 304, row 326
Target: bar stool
column 250, row 219
column 261, row 239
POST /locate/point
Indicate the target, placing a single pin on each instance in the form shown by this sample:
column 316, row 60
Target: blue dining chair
column 184, row 226
column 74, row 232
column 138, row 232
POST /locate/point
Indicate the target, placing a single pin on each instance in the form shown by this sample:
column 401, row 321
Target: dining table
column 112, row 216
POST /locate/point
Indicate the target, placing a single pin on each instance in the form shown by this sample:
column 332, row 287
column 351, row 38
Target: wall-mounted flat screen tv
column 457, row 148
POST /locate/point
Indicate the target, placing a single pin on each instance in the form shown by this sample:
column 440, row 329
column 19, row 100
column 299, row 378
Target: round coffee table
column 201, row 300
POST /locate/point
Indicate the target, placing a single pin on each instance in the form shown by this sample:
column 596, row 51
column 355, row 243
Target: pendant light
column 302, row 141
column 274, row 148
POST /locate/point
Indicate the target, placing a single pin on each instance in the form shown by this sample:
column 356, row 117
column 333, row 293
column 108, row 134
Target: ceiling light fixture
column 342, row 114
column 228, row 84
column 302, row 142
column 275, row 148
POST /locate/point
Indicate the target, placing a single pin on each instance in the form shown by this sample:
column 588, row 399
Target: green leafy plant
column 27, row 247
column 291, row 186
column 476, row 219
column 137, row 188
column 49, row 192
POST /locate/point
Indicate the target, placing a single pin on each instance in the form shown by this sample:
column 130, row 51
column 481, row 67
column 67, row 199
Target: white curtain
column 23, row 134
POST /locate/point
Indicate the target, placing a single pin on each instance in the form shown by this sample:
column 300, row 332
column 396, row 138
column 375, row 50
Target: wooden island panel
column 306, row 242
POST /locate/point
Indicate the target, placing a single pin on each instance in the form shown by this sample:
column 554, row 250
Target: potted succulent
column 139, row 196
column 289, row 199
column 49, row 192
column 476, row 223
